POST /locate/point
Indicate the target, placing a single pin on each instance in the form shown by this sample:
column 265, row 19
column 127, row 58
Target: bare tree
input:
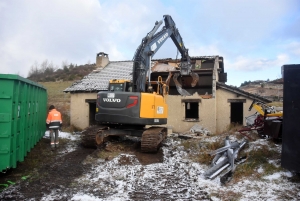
column 64, row 63
column 34, row 70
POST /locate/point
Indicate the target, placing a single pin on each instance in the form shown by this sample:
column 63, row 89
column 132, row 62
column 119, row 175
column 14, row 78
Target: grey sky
column 255, row 37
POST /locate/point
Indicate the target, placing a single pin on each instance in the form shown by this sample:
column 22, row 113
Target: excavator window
column 126, row 86
column 116, row 87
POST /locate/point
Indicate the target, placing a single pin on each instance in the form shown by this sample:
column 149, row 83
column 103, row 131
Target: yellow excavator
column 138, row 107
column 267, row 121
column 265, row 110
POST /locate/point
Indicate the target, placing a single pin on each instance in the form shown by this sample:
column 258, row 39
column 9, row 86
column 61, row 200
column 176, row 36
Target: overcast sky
column 255, row 37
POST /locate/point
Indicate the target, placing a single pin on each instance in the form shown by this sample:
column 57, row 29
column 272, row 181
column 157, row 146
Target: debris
column 199, row 129
column 257, row 125
column 195, row 132
column 225, row 159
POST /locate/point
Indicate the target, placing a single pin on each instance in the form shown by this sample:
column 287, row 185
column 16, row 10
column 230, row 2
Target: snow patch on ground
column 177, row 175
column 176, row 178
column 80, row 197
column 63, row 135
column 260, row 170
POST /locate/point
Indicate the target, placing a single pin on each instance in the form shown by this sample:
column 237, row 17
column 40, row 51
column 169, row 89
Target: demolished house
column 213, row 104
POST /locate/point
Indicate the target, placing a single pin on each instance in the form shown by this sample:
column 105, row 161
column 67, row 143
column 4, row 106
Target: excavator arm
column 150, row 45
column 264, row 109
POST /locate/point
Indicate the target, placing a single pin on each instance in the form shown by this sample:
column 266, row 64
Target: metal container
column 290, row 158
column 273, row 128
column 23, row 110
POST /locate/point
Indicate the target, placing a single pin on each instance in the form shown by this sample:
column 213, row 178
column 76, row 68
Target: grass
column 227, row 195
column 257, row 158
column 232, row 128
column 199, row 151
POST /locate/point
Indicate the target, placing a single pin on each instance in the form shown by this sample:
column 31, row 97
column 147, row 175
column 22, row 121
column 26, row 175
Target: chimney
column 102, row 60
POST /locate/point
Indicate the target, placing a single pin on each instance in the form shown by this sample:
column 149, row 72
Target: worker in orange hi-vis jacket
column 54, row 123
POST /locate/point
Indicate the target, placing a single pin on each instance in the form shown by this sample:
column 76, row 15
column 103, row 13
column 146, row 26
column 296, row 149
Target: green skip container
column 23, row 110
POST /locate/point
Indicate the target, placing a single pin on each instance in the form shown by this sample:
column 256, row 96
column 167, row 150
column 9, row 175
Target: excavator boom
column 150, row 45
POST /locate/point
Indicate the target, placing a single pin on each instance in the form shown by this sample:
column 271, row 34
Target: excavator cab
column 120, row 85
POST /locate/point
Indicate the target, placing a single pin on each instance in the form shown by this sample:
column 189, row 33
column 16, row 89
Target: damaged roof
column 242, row 92
column 98, row 80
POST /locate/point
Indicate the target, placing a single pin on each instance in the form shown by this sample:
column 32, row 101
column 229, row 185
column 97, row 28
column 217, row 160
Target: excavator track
column 90, row 135
column 152, row 138
column 96, row 136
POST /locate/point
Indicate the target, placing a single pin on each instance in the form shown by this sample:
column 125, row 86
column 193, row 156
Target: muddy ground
column 120, row 171
column 45, row 169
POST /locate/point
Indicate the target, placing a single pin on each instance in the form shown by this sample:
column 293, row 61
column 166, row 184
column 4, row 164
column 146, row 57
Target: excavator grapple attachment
column 195, row 77
column 179, row 88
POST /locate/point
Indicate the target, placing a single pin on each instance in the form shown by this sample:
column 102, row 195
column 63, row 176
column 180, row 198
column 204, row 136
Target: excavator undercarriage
column 150, row 138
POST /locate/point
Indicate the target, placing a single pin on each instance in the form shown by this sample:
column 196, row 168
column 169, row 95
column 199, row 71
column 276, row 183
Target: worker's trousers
column 54, row 137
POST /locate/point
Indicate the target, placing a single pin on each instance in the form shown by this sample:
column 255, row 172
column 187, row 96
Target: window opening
column 191, row 110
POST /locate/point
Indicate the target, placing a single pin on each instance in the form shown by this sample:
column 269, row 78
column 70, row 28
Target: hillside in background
column 70, row 72
column 46, row 72
column 272, row 90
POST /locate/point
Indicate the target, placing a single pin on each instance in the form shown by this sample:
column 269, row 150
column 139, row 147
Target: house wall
column 79, row 109
column 214, row 113
column 176, row 113
column 223, row 109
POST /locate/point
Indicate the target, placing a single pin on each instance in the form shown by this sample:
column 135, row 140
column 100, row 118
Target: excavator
column 267, row 121
column 265, row 110
column 138, row 107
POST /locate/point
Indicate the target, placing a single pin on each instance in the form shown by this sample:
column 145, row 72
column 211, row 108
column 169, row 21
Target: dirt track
column 53, row 174
column 52, row 169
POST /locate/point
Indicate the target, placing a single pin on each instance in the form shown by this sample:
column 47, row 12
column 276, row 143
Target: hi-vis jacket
column 54, row 119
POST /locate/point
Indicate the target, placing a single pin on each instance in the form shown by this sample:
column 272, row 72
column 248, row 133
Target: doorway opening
column 92, row 111
column 236, row 113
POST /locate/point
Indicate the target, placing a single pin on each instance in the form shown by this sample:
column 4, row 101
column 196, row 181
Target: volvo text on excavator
column 130, row 106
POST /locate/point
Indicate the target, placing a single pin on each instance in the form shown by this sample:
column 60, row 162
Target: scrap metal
column 225, row 160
